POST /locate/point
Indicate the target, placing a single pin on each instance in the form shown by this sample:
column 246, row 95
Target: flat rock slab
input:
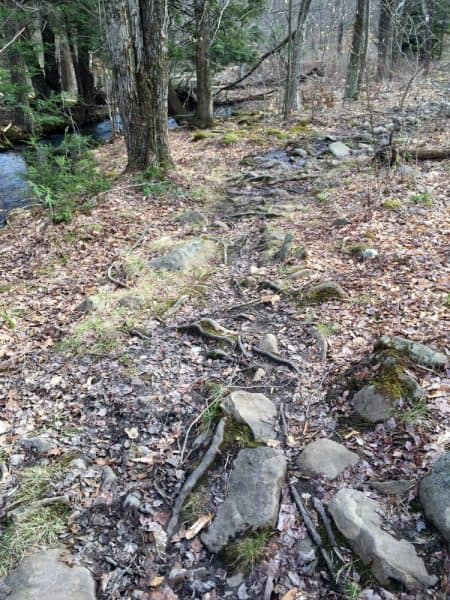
column 325, row 457
column 256, row 411
column 418, row 353
column 339, row 150
column 435, row 495
column 43, row 576
column 197, row 253
column 254, row 496
column 357, row 518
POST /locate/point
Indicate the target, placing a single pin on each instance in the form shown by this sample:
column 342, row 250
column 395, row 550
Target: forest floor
column 110, row 390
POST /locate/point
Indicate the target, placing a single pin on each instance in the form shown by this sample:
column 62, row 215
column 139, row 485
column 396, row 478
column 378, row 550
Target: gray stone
column 307, row 556
column 325, row 457
column 435, row 495
column 272, row 242
column 259, row 375
column 407, row 173
column 197, row 253
column 191, row 217
column 177, row 576
column 369, row 253
column 256, row 411
column 132, row 302
column 15, row 460
column 380, row 130
column 253, row 496
column 40, row 444
column 108, row 477
column 269, row 343
column 394, row 487
column 299, row 152
column 235, row 581
column 373, row 405
column 339, row 150
column 43, row 576
column 89, row 305
column 357, row 518
column 418, row 353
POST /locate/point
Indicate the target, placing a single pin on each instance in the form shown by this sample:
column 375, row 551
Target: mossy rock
column 323, row 292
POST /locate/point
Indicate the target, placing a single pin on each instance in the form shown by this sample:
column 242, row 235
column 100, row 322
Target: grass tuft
column 247, row 552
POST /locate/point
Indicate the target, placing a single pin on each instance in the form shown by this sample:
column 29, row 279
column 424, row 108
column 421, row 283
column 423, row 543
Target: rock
column 341, row 222
column 299, row 152
column 108, row 477
column 418, row 353
column 325, row 457
column 15, row 460
column 369, row 253
column 322, row 292
column 407, row 173
column 378, row 401
column 380, row 130
column 42, row 575
column 40, row 444
column 269, row 343
column 197, row 253
column 272, row 242
column 435, row 495
column 259, row 375
column 4, row 427
column 307, row 556
column 395, row 487
column 256, row 411
column 235, row 580
column 253, row 496
column 191, row 217
column 280, row 194
column 357, row 518
column 339, row 150
column 89, row 305
column 132, row 302
column 177, row 576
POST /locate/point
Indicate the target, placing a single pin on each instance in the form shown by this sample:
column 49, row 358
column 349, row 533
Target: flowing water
column 14, row 189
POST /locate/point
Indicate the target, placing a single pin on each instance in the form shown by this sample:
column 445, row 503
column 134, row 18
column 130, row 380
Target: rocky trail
column 240, row 391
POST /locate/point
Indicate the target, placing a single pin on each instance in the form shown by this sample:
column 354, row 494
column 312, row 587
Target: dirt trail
column 118, row 414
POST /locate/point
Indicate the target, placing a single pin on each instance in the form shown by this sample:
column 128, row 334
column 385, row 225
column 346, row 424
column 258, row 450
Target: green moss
column 392, row 204
column 390, row 382
column 426, row 199
column 231, row 138
column 322, row 293
column 281, row 135
column 356, row 249
column 247, row 552
column 202, row 135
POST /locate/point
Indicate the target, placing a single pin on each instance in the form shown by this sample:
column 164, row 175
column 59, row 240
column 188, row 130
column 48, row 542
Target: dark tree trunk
column 83, row 74
column 34, row 68
column 176, row 108
column 51, row 67
column 204, row 115
column 385, row 38
column 358, row 52
column 137, row 40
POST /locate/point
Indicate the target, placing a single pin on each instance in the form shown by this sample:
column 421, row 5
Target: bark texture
column 358, row 52
column 291, row 97
column 204, row 116
column 137, row 40
column 385, row 38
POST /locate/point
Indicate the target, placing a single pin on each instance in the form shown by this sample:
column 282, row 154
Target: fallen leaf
column 199, row 524
column 157, row 581
column 291, row 594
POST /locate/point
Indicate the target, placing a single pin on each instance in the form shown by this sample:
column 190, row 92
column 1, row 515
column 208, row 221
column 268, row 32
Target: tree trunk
column 136, row 32
column 359, row 50
column 176, row 108
column 51, row 67
column 17, row 73
column 291, row 96
column 204, row 115
column 385, row 33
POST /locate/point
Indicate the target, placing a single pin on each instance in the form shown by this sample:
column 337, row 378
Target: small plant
column 426, row 199
column 352, row 590
column 323, row 197
column 231, row 138
column 244, row 554
column 392, row 204
column 201, row 135
column 415, row 414
column 35, row 482
column 60, row 177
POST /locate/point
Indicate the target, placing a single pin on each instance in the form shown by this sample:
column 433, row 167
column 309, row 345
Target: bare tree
column 136, row 32
column 358, row 52
column 204, row 116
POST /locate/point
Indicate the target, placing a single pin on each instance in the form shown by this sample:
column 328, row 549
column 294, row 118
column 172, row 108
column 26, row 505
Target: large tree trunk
column 34, row 68
column 204, row 115
column 358, row 52
column 291, row 96
column 137, row 40
column 51, row 66
column 176, row 108
column 385, row 38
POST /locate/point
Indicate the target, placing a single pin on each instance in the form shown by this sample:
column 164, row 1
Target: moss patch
column 392, row 204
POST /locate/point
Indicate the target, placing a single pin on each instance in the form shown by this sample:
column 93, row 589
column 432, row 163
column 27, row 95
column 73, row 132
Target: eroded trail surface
column 267, row 326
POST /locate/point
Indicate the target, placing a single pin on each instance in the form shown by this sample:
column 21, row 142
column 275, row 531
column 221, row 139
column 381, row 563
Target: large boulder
column 418, row 353
column 357, row 518
column 253, row 496
column 325, row 457
column 255, row 410
column 44, row 576
column 339, row 150
column 435, row 495
column 195, row 254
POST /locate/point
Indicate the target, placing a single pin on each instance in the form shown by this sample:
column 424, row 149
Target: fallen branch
column 275, row 358
column 417, row 154
column 312, row 531
column 194, row 477
column 198, row 326
column 113, row 279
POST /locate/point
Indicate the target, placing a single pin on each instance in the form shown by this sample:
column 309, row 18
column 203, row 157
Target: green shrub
column 62, row 177
column 392, row 204
column 426, row 199
column 231, row 138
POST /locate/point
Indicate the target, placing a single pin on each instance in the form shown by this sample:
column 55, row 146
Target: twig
column 117, row 282
column 312, row 531
column 284, row 425
column 196, row 326
column 18, row 34
column 275, row 358
column 241, row 347
column 194, row 477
